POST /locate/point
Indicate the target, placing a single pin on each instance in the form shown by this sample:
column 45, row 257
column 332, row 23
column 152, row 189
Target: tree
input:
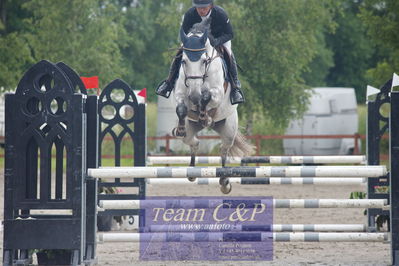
column 144, row 42
column 2, row 13
column 276, row 42
column 382, row 22
column 15, row 54
column 353, row 51
column 83, row 34
column 321, row 64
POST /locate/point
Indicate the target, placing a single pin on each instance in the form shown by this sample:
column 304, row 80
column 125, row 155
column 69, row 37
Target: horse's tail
column 241, row 147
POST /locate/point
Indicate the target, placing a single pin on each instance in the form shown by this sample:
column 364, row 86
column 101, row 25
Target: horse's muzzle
column 195, row 98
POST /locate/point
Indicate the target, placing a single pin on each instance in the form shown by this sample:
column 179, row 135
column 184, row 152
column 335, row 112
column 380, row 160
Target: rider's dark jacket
column 221, row 28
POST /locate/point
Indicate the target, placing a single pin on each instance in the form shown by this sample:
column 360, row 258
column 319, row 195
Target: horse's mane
column 200, row 28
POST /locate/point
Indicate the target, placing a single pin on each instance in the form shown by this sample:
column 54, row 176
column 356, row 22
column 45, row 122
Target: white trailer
column 331, row 111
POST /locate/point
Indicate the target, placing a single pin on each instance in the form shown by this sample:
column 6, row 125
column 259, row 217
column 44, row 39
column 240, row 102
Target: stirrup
column 234, row 100
column 165, row 92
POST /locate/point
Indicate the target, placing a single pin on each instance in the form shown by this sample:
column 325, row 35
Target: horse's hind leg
column 227, row 130
column 191, row 140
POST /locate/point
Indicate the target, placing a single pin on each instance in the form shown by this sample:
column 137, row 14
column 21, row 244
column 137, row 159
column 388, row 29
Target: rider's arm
column 189, row 20
column 226, row 30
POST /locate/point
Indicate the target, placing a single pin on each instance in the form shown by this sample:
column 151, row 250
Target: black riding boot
column 236, row 95
column 165, row 87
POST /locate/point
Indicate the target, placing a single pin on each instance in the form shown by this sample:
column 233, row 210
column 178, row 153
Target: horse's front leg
column 204, row 119
column 180, row 130
column 190, row 139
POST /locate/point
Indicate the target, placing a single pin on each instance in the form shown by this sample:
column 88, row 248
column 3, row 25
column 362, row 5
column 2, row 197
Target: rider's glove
column 214, row 41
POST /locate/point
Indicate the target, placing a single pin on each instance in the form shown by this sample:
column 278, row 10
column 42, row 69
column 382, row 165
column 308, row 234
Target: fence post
column 167, row 146
column 257, row 139
column 373, row 140
column 356, row 148
column 394, row 176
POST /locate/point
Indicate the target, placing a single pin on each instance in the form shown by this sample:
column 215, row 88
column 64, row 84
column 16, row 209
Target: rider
column 221, row 34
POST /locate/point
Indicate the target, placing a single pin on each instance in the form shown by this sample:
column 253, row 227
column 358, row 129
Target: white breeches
column 227, row 45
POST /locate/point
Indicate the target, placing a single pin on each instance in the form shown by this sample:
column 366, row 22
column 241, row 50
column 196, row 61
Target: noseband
column 208, row 62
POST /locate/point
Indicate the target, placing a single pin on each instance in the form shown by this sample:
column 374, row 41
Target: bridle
column 208, row 62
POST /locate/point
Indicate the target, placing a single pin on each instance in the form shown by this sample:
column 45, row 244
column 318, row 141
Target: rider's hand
column 214, row 41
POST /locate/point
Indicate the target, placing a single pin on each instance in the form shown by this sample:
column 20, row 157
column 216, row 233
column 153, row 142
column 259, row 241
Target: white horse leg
column 181, row 111
column 227, row 129
column 192, row 128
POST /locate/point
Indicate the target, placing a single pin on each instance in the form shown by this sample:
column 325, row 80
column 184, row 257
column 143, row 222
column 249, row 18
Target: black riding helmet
column 202, row 3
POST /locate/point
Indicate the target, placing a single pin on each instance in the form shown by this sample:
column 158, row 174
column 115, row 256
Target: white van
column 331, row 111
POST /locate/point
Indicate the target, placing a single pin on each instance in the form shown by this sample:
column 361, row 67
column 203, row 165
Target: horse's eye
column 183, row 62
column 204, row 61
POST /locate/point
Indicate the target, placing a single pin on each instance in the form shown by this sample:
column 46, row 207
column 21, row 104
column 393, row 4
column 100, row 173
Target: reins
column 207, row 65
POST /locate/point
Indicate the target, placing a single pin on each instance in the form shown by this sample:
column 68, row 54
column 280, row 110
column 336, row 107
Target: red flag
column 91, row 82
column 143, row 93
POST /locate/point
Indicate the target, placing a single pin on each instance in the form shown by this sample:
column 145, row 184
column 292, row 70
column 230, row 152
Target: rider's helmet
column 202, row 3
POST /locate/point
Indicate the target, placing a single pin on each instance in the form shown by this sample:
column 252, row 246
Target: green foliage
column 15, row 56
column 353, row 51
column 320, row 66
column 382, row 22
column 358, row 195
column 144, row 43
column 83, row 34
column 278, row 50
column 284, row 46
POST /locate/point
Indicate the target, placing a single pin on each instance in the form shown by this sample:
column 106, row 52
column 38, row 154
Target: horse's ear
column 204, row 37
column 183, row 36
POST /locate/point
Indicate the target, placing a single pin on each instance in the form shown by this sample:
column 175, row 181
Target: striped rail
column 242, row 236
column 353, row 159
column 264, row 171
column 264, row 228
column 261, row 181
column 213, row 203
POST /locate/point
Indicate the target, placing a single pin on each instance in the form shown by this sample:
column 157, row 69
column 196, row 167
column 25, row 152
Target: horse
column 202, row 101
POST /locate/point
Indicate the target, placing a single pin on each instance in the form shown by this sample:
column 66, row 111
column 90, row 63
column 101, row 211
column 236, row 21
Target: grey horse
column 202, row 101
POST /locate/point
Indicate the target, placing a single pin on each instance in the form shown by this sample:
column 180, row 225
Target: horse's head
column 195, row 62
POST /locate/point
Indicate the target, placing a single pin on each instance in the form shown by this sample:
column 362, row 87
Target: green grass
column 151, row 113
column 362, row 113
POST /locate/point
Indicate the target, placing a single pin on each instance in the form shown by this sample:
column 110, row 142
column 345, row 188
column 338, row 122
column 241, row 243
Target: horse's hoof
column 226, row 189
column 224, row 181
column 212, row 124
column 179, row 132
column 207, row 122
column 191, row 179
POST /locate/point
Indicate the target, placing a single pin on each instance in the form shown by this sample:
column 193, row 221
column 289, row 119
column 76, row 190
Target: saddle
column 225, row 56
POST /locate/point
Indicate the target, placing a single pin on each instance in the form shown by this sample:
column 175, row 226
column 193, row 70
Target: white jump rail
column 240, row 236
column 267, row 228
column 263, row 171
column 277, row 203
column 335, row 159
column 262, row 181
